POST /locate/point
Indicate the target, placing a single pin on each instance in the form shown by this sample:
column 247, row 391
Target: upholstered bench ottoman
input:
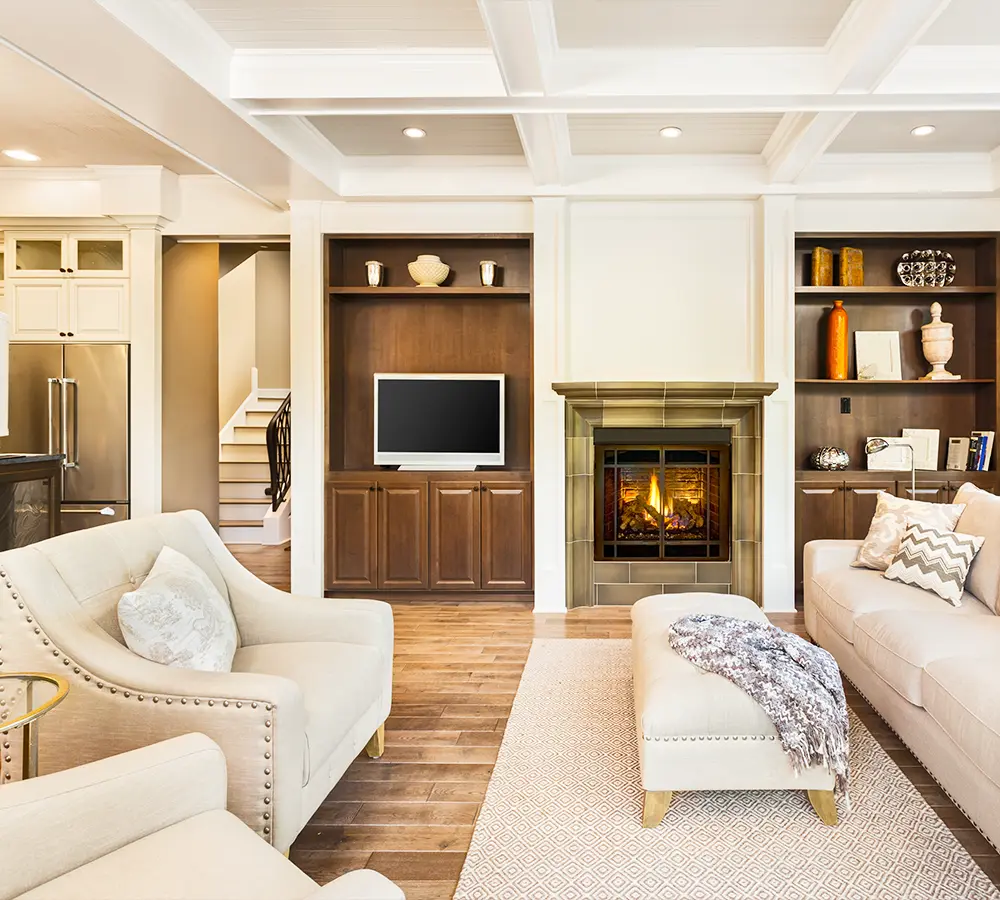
column 698, row 731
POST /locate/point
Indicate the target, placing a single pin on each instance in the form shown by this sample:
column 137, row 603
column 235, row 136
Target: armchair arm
column 59, row 822
column 363, row 884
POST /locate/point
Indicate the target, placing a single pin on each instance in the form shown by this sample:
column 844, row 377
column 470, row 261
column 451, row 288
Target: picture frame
column 926, row 443
column 877, row 356
column 894, row 458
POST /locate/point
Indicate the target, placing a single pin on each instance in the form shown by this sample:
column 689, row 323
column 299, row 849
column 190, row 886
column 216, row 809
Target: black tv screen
column 452, row 416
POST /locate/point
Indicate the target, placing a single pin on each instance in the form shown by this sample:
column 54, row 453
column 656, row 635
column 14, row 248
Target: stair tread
column 244, row 481
column 245, row 500
column 254, row 427
column 241, row 523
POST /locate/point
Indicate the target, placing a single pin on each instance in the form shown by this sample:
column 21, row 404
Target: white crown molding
column 46, row 173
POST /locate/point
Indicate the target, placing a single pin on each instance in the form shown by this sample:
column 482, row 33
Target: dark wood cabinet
column 506, row 535
column 819, row 515
column 455, row 542
column 860, row 500
column 407, row 532
column 351, row 534
column 402, row 536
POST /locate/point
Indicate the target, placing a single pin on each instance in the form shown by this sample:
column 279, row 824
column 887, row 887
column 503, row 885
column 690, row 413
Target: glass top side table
column 24, row 698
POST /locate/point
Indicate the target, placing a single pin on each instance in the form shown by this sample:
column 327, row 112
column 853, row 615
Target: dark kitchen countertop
column 13, row 459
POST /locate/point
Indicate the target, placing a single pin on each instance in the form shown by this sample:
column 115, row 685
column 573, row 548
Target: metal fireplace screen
column 663, row 503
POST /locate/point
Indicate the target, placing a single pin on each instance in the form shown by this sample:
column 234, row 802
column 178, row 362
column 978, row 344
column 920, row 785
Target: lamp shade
column 4, row 372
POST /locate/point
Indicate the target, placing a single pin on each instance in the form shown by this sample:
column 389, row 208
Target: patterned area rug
column 562, row 813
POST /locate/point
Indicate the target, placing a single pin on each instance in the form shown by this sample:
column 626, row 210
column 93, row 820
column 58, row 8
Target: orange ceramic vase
column 836, row 343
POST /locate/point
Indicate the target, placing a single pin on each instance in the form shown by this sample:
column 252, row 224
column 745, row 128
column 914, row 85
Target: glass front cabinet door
column 36, row 255
column 98, row 256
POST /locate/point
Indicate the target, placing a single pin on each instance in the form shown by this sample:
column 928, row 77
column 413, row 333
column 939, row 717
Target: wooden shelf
column 413, row 291
column 831, row 381
column 825, row 291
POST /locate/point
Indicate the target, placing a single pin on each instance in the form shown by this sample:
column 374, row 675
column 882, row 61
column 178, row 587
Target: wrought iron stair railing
column 279, row 453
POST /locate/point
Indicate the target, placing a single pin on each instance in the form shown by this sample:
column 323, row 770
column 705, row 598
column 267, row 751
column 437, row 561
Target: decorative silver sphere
column 830, row 459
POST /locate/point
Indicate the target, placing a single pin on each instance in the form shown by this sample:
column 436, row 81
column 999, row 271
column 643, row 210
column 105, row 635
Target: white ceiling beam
column 275, row 74
column 870, row 40
column 177, row 33
column 669, row 103
column 522, row 34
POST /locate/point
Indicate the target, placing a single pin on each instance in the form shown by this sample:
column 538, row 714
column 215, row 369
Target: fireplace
column 664, row 502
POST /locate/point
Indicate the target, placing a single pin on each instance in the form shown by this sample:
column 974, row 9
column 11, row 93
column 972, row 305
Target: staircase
column 243, row 471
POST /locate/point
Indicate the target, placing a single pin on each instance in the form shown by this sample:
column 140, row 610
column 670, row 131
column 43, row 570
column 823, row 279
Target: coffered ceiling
column 544, row 97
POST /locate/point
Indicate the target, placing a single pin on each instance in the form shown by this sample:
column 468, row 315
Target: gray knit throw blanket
column 796, row 683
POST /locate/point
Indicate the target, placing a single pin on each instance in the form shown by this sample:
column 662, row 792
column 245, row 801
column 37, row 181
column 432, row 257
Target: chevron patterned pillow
column 934, row 560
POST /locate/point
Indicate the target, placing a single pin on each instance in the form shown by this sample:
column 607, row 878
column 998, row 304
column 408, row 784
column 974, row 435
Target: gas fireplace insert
column 667, row 502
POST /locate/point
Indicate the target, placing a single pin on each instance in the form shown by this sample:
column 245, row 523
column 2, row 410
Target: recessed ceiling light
column 923, row 130
column 414, row 132
column 23, row 155
column 671, row 131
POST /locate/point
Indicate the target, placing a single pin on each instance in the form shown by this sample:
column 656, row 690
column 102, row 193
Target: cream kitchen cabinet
column 63, row 309
column 72, row 255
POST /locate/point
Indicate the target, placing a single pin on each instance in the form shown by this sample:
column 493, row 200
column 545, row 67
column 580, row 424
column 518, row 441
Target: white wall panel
column 662, row 291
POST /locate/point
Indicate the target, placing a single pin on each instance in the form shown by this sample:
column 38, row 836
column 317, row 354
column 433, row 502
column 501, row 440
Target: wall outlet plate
column 845, row 404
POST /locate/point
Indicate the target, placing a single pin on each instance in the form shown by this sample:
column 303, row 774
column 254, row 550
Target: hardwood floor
column 410, row 814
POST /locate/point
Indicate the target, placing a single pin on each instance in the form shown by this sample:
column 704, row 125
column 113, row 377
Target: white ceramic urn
column 939, row 344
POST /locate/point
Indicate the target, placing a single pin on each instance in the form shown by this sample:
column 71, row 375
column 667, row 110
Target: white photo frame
column 926, row 443
column 877, row 356
column 894, row 458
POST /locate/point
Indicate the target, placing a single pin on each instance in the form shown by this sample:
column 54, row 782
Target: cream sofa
column 930, row 669
column 310, row 686
column 149, row 825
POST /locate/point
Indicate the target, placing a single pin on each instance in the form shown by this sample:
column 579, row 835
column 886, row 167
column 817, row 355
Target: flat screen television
column 443, row 422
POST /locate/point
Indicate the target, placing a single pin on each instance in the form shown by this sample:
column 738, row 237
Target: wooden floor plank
column 457, row 666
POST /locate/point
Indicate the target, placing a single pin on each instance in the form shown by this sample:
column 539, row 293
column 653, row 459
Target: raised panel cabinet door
column 507, row 536
column 819, row 515
column 350, row 535
column 929, row 492
column 860, row 500
column 37, row 310
column 98, row 310
column 456, row 556
column 402, row 536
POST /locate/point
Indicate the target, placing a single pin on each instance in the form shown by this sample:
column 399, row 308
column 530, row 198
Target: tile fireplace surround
column 658, row 404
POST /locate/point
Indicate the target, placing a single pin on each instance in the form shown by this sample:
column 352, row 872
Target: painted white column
column 551, row 235
column 146, row 364
column 307, row 322
column 777, row 271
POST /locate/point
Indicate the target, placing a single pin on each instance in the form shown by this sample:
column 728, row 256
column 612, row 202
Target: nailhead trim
column 713, row 737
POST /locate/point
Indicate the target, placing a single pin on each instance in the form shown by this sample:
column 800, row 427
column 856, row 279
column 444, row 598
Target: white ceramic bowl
column 428, row 271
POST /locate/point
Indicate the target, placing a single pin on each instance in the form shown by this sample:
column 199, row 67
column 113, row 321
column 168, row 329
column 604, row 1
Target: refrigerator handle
column 75, row 464
column 52, row 421
column 64, row 421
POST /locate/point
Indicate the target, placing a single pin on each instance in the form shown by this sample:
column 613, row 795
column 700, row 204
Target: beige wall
column 273, row 294
column 191, row 378
column 237, row 336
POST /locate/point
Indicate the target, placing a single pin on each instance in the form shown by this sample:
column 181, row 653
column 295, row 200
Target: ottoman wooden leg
column 654, row 807
column 825, row 806
column 376, row 744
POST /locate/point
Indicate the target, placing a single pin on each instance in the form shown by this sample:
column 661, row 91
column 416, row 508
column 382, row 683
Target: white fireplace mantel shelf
column 665, row 390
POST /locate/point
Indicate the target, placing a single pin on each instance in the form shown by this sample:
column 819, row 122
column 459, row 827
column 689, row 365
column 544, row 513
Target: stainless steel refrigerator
column 73, row 399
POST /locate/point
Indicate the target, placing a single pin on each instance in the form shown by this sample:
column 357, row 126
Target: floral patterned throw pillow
column 177, row 617
column 889, row 523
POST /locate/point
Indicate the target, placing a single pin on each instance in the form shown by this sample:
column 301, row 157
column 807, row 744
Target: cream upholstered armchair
column 310, row 685
column 149, row 825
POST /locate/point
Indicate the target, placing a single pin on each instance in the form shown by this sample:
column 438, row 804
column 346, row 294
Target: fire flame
column 655, row 499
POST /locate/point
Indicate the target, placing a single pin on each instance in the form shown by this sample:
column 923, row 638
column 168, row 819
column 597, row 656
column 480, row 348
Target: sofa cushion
column 212, row 856
column 960, row 694
column 982, row 517
column 842, row 594
column 889, row 522
column 898, row 644
column 177, row 617
column 935, row 560
column 338, row 683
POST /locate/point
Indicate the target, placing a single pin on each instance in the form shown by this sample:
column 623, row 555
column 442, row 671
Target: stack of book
column 977, row 451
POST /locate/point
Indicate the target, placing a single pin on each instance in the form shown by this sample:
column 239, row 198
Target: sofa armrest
column 59, row 822
column 821, row 556
column 363, row 884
